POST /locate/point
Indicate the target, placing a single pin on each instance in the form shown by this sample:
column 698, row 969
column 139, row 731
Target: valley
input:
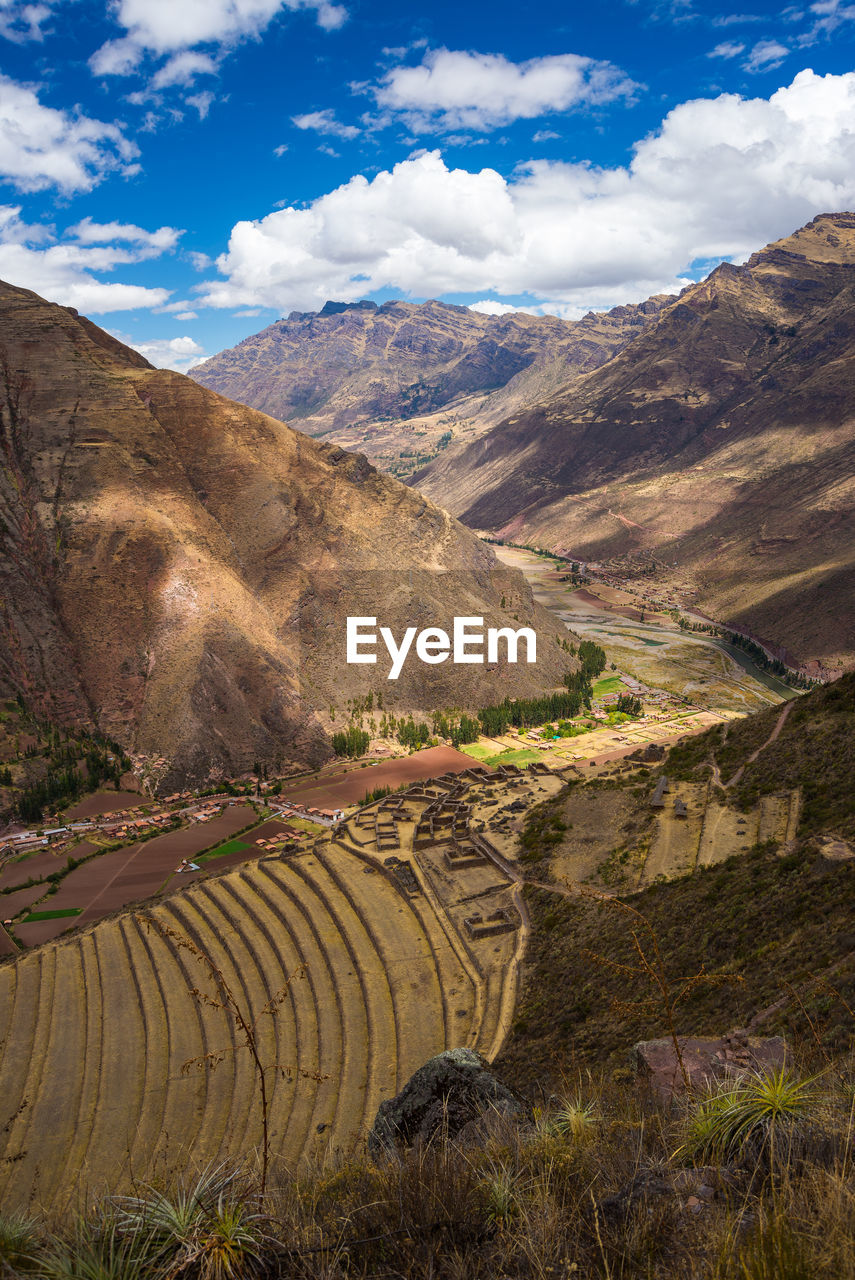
column 646, row 642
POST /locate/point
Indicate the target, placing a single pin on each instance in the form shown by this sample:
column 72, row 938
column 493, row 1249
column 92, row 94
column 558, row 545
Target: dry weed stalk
column 667, row 993
column 226, row 1000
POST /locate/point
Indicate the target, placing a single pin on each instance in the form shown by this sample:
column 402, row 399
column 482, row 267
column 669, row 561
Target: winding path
column 779, row 724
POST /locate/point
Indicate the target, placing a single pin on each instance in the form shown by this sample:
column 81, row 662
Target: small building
column 680, row 810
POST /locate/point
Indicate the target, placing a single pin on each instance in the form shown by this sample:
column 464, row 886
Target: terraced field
column 96, row 1029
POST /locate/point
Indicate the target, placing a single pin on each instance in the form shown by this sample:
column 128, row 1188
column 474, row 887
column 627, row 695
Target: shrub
column 750, row 1117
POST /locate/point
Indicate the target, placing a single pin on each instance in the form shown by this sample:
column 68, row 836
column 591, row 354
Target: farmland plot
column 104, row 1074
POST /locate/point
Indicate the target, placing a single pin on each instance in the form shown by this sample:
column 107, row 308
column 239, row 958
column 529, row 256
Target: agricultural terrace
column 388, row 941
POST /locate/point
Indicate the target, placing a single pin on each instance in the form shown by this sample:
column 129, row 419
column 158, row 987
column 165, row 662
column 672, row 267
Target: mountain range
column 719, row 446
column 402, row 380
column 705, row 439
column 177, row 569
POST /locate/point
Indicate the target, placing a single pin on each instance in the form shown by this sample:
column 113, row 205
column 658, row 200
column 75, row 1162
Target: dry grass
column 533, row 1201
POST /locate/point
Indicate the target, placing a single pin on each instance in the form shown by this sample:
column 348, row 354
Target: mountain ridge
column 177, row 568
column 719, row 443
column 395, row 379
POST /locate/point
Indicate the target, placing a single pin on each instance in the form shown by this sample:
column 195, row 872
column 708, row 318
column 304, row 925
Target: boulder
column 446, row 1094
column 706, row 1059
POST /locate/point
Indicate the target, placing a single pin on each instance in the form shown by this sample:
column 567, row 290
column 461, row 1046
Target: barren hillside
column 720, row 444
column 401, row 380
column 177, row 569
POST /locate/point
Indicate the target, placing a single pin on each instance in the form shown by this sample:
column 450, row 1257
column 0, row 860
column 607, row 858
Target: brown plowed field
column 146, row 867
column 35, row 867
column 322, row 793
column 33, row 935
column 114, row 880
column 104, row 802
column 12, row 903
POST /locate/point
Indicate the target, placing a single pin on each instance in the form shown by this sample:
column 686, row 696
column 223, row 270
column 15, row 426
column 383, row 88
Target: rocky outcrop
column 443, row 1097
column 707, row 1060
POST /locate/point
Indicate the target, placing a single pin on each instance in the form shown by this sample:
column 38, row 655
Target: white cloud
column 736, row 19
column 200, row 261
column 21, row 21
column 186, row 315
column 324, row 122
column 149, row 243
column 488, row 307
column 545, row 135
column 167, row 27
column 827, row 16
column 202, row 103
column 183, row 68
column 180, row 354
column 66, row 271
column 728, row 49
column 766, row 55
column 41, row 147
column 720, row 178
column 460, row 90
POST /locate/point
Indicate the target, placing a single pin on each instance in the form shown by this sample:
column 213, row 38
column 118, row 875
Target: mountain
column 720, row 445
column 401, row 380
column 176, row 569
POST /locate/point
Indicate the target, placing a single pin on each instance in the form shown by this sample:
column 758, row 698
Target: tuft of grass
column 207, row 1224
column 574, row 1119
column 99, row 1250
column 774, row 1252
column 20, row 1244
column 753, row 1116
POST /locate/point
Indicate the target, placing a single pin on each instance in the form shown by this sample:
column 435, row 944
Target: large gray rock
column 445, row 1095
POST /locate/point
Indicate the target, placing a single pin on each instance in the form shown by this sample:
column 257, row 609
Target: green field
column 522, row 755
column 609, row 684
column 231, row 846
column 51, row 915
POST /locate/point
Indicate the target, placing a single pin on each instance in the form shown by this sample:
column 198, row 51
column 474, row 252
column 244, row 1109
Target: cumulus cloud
column 66, row 271
column 201, row 102
column 719, row 178
column 324, row 122
column 148, row 243
column 453, row 89
column 41, row 147
column 487, row 307
column 183, row 68
column 179, row 354
column 162, row 28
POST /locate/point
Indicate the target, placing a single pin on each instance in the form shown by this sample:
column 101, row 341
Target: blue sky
column 186, row 171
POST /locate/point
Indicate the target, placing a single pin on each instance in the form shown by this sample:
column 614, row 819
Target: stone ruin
column 490, row 926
